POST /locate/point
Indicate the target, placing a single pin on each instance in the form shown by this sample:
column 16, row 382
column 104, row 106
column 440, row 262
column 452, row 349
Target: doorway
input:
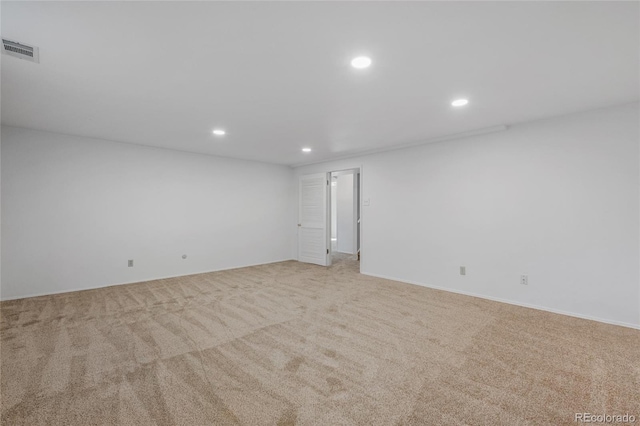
column 344, row 213
column 329, row 218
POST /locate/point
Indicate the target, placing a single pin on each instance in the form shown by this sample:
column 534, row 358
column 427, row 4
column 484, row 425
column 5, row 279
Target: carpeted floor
column 290, row 343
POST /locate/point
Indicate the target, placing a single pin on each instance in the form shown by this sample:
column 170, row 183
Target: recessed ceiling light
column 460, row 102
column 306, row 149
column 361, row 62
column 219, row 132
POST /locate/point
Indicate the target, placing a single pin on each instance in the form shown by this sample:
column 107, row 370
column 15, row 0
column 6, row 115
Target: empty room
column 320, row 213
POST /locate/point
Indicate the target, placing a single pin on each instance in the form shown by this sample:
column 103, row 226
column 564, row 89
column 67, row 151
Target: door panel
column 312, row 219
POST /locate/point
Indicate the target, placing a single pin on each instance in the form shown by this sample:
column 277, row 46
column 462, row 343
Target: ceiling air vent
column 19, row 50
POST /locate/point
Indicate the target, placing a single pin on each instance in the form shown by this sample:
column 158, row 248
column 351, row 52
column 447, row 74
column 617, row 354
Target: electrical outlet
column 463, row 270
column 130, row 263
column 524, row 279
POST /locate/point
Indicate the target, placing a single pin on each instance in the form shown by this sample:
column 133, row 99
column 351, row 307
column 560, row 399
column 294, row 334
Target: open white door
column 312, row 219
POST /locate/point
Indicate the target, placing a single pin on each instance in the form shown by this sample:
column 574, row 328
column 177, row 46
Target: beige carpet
column 290, row 343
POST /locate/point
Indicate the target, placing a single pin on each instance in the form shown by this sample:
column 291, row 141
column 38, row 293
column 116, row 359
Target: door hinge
column 327, row 183
column 327, row 251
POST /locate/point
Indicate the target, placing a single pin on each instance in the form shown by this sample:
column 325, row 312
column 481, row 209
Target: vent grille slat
column 20, row 50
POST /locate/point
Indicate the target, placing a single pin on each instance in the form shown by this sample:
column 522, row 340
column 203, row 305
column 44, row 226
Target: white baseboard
column 138, row 281
column 511, row 302
column 466, row 293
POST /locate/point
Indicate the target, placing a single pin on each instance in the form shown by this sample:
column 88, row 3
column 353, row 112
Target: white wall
column 74, row 210
column 344, row 213
column 555, row 199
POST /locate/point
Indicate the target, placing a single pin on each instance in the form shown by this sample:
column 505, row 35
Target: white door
column 312, row 219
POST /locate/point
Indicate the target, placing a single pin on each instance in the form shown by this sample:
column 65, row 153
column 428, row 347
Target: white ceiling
column 277, row 77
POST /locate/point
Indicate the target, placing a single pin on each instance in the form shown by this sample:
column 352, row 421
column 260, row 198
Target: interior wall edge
column 509, row 302
column 138, row 282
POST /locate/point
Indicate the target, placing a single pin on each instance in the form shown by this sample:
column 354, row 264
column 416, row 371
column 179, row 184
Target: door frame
column 357, row 168
column 357, row 208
